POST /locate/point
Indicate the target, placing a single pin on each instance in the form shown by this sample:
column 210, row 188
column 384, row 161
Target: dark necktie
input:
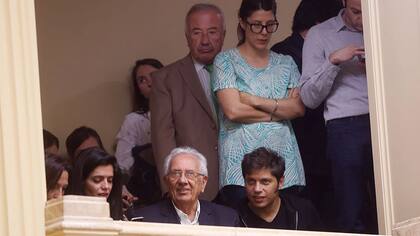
column 209, row 68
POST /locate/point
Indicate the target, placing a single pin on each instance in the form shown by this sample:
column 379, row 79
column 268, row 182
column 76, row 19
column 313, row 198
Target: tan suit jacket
column 181, row 116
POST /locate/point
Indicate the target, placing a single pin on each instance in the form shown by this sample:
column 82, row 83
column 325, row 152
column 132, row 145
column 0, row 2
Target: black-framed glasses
column 257, row 28
column 189, row 174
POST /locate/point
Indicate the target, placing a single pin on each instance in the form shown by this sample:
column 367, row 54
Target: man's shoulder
column 297, row 203
column 148, row 212
column 171, row 69
column 221, row 215
column 328, row 25
column 216, row 207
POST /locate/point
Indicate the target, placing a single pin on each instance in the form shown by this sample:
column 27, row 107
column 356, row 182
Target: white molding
column 83, row 221
column 377, row 106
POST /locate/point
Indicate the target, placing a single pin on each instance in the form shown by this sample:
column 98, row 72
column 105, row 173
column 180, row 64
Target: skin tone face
column 262, row 190
column 60, row 186
column 353, row 14
column 88, row 143
column 258, row 41
column 53, row 149
column 99, row 181
column 205, row 35
column 185, row 191
column 144, row 80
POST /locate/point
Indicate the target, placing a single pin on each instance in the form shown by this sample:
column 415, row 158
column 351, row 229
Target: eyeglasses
column 189, row 174
column 257, row 28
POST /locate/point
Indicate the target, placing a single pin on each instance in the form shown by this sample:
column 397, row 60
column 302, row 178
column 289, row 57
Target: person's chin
column 206, row 58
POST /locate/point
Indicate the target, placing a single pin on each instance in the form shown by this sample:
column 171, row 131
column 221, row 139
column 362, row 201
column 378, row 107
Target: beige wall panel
column 392, row 36
column 401, row 40
column 87, row 48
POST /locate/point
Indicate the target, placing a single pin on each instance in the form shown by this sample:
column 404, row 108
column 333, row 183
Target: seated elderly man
column 264, row 207
column 185, row 174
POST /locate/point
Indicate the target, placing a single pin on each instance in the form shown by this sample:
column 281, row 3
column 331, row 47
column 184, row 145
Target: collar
column 198, row 66
column 184, row 220
column 340, row 24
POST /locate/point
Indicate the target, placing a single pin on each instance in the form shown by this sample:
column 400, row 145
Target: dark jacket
column 164, row 212
column 300, row 214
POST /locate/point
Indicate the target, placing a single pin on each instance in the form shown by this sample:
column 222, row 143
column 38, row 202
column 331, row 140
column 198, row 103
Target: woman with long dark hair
column 57, row 171
column 96, row 173
column 256, row 90
column 135, row 130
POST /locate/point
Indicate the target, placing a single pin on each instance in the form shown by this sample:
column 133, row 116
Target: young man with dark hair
column 263, row 172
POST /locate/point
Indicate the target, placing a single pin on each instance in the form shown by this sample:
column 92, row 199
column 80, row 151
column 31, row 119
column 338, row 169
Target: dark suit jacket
column 181, row 116
column 210, row 214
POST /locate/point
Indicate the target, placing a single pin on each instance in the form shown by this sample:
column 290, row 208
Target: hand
column 293, row 93
column 345, row 54
column 127, row 197
column 247, row 99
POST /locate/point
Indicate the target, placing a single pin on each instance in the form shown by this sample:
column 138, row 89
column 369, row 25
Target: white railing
column 79, row 215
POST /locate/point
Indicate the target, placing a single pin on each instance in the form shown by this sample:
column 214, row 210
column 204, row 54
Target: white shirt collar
column 198, row 66
column 184, row 220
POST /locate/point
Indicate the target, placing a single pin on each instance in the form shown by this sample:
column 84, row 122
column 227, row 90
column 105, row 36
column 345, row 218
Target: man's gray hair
column 204, row 7
column 186, row 150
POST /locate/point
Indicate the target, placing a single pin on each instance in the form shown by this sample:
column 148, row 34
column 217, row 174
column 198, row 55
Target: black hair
column 141, row 103
column 86, row 162
column 54, row 167
column 250, row 6
column 77, row 137
column 49, row 139
column 312, row 12
column 263, row 158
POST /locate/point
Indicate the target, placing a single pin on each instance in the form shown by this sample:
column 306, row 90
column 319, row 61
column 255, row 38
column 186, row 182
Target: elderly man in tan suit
column 182, row 108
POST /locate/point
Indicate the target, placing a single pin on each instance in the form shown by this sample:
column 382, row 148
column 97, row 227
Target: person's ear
column 242, row 24
column 281, row 182
column 205, row 178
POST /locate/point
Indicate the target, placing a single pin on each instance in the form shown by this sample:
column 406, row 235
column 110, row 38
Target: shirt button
column 215, row 148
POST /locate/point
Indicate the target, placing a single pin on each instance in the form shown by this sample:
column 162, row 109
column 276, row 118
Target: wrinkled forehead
column 184, row 161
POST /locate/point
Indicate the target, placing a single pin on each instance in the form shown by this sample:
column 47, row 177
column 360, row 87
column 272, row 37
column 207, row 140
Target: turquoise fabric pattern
column 236, row 139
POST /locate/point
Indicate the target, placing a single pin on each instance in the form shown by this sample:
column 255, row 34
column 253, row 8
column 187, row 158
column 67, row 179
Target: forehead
column 103, row 170
column 204, row 19
column 184, row 162
column 260, row 174
column 356, row 4
column 145, row 69
column 262, row 15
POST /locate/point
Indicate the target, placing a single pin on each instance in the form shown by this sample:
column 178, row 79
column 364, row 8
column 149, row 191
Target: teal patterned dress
column 236, row 139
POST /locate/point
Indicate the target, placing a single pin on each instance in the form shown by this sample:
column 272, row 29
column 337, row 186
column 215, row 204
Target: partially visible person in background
column 80, row 139
column 57, row 171
column 51, row 143
column 96, row 173
column 310, row 129
column 307, row 14
column 134, row 150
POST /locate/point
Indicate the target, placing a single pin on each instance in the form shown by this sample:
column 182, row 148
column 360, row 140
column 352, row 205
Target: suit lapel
column 206, row 217
column 168, row 212
column 189, row 74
